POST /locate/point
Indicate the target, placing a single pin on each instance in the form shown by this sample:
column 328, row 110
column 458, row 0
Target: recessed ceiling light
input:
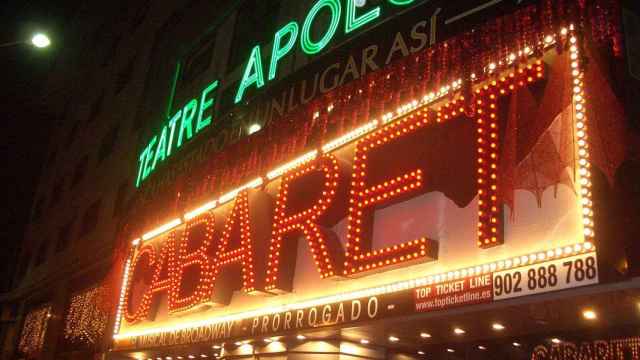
column 301, row 337
column 589, row 314
column 497, row 327
column 364, row 341
column 480, row 347
column 238, row 343
column 216, row 346
column 393, row 339
column 517, row 344
column 556, row 341
column 458, row 331
column 203, row 356
column 420, row 352
column 191, row 357
column 267, row 340
column 451, row 350
column 425, row 335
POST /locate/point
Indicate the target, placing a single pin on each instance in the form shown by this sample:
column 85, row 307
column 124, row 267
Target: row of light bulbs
column 588, row 314
column 530, row 259
column 401, row 111
column 586, row 202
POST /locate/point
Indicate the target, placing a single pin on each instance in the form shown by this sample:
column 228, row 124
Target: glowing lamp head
column 498, row 327
column 589, row 314
column 40, row 40
column 254, row 129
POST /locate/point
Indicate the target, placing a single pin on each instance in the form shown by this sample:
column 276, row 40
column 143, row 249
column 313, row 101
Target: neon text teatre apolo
column 196, row 115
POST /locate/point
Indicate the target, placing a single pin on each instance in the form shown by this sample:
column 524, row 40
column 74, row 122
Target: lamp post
column 38, row 40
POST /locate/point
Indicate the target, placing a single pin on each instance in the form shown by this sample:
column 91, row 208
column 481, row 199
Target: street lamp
column 38, row 40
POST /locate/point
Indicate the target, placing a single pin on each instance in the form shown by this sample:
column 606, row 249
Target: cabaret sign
column 228, row 268
column 257, row 241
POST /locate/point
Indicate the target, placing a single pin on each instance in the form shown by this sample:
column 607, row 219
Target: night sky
column 25, row 119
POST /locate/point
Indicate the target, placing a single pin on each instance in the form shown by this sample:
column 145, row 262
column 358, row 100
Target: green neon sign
column 287, row 36
column 188, row 121
column 252, row 73
column 291, row 30
column 352, row 22
column 308, row 45
column 197, row 114
column 401, row 2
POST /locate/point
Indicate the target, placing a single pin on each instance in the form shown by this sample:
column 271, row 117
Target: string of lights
column 34, row 330
column 86, row 320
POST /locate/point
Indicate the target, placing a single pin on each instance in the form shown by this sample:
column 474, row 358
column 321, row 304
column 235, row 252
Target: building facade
column 375, row 179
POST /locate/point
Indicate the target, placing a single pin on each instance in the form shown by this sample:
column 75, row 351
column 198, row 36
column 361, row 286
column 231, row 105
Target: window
column 41, row 256
column 37, row 209
column 108, row 143
column 198, row 61
column 139, row 15
column 96, row 108
column 52, row 156
column 64, row 237
column 112, row 41
column 56, row 193
column 125, row 74
column 80, row 171
column 256, row 22
column 121, row 197
column 24, row 266
column 90, row 218
column 73, row 132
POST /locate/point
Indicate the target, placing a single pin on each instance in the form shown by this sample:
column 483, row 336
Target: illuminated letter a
column 245, row 235
column 294, row 216
column 253, row 74
column 192, row 270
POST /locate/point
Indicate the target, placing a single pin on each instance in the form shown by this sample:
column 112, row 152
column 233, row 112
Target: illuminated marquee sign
column 361, row 209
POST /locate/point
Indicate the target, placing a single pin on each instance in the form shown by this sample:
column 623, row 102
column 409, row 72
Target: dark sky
column 25, row 120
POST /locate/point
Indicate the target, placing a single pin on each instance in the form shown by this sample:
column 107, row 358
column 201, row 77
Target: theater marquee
column 403, row 215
